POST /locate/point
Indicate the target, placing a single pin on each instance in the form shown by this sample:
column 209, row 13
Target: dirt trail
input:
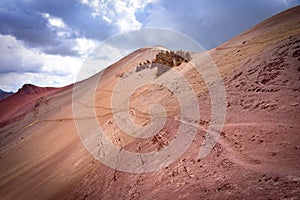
column 256, row 156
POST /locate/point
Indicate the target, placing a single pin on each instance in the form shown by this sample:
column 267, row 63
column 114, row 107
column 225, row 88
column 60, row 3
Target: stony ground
column 256, row 156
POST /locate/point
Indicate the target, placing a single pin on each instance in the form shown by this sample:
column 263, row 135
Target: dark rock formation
column 165, row 60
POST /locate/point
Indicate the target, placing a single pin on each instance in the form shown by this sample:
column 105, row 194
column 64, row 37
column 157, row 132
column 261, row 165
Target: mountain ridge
column 256, row 155
column 4, row 94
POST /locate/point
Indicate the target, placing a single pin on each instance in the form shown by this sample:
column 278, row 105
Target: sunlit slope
column 42, row 156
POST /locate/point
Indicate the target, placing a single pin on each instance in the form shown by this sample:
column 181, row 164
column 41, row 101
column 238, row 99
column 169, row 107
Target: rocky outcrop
column 165, row 60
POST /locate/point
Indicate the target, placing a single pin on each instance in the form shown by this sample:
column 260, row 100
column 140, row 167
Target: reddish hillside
column 17, row 105
column 4, row 94
column 256, row 156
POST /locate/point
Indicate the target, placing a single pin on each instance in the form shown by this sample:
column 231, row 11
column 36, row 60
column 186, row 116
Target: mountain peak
column 30, row 89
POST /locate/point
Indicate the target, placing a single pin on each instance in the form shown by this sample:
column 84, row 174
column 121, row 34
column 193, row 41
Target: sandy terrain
column 256, row 156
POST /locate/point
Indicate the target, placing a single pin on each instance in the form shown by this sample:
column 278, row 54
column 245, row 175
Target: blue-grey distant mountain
column 83, row 141
column 4, row 94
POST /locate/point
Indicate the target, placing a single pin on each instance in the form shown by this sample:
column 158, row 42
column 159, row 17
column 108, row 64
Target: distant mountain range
column 4, row 94
column 46, row 134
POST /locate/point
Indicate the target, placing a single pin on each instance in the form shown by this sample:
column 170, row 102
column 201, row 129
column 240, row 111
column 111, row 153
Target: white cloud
column 100, row 58
column 120, row 13
column 105, row 18
column 57, row 22
column 290, row 3
column 54, row 21
column 81, row 44
column 53, row 64
column 20, row 64
column 39, row 79
column 15, row 56
column 59, row 27
column 85, row 46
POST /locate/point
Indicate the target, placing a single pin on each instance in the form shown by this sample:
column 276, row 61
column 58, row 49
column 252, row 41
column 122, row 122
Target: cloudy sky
column 45, row 42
